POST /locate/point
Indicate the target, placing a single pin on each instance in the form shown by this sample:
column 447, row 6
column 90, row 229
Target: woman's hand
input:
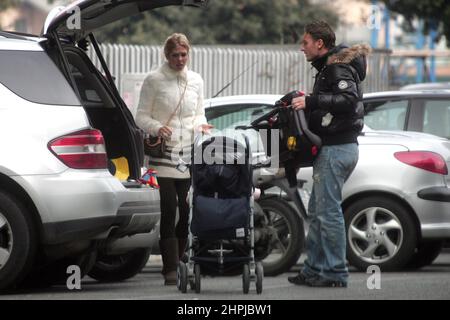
column 165, row 132
column 204, row 128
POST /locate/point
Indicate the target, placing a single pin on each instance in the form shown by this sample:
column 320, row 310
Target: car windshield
column 227, row 117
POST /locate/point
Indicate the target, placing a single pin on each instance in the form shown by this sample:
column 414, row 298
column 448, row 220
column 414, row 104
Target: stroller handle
column 256, row 124
column 259, row 124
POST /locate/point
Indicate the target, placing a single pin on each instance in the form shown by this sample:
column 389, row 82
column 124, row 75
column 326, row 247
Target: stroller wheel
column 197, row 278
column 182, row 277
column 259, row 277
column 246, row 279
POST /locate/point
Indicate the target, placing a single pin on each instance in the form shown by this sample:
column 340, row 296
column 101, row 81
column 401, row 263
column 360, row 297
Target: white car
column 425, row 111
column 397, row 201
column 72, row 155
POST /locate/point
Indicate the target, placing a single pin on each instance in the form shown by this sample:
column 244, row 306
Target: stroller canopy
column 221, row 166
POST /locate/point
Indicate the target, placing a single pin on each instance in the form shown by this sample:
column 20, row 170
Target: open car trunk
column 123, row 139
column 68, row 26
column 82, row 17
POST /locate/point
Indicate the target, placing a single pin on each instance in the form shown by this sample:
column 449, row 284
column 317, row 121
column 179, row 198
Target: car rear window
column 386, row 115
column 33, row 76
column 436, row 118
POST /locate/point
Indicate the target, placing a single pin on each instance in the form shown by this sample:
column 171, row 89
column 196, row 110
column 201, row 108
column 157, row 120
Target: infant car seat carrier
column 298, row 146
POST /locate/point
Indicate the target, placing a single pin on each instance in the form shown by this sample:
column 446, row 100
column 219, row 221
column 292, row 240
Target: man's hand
column 298, row 103
column 165, row 132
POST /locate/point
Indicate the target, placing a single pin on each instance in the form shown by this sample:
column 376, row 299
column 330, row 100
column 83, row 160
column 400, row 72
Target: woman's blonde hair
column 174, row 40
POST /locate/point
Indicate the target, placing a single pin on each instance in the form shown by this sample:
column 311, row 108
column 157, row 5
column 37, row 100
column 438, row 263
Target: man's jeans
column 326, row 240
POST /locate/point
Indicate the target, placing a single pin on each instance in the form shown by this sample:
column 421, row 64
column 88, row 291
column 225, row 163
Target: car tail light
column 81, row 150
column 425, row 160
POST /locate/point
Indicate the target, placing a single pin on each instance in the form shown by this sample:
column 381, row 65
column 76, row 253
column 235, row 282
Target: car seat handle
column 302, row 124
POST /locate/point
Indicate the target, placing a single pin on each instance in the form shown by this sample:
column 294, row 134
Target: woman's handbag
column 156, row 146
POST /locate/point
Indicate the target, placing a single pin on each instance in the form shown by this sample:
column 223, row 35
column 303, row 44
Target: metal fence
column 256, row 69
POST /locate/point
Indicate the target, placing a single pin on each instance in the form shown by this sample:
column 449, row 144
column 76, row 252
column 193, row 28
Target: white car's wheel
column 55, row 272
column 113, row 268
column 380, row 231
column 17, row 241
column 283, row 248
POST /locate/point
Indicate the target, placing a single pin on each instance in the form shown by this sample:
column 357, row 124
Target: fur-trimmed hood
column 356, row 56
column 346, row 55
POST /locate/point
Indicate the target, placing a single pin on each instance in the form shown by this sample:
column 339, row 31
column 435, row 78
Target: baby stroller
column 221, row 233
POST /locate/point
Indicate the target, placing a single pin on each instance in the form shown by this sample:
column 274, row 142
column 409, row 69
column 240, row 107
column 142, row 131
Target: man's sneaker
column 299, row 280
column 320, row 282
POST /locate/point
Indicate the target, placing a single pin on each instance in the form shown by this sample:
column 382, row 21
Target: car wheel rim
column 281, row 238
column 375, row 235
column 6, row 241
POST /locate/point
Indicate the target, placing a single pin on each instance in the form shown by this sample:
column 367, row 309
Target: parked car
column 422, row 111
column 427, row 86
column 71, row 155
column 397, row 201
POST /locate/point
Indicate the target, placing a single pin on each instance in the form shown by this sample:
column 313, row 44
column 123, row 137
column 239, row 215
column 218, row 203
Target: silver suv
column 71, row 154
column 57, row 197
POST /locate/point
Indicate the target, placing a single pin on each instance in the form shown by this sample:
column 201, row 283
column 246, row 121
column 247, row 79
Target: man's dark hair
column 321, row 30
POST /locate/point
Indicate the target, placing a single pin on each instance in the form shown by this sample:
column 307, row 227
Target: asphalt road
column 432, row 282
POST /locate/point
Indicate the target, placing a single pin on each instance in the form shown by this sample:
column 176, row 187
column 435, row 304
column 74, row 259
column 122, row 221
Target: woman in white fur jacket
column 171, row 106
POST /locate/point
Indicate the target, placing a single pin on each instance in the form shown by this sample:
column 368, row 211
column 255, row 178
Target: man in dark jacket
column 335, row 113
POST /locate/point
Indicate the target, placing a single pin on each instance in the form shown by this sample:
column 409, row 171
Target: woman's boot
column 169, row 254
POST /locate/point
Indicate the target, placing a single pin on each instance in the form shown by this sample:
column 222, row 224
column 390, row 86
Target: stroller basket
column 216, row 218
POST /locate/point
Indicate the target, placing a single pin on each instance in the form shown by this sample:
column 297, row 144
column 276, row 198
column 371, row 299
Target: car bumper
column 88, row 204
column 68, row 231
column 432, row 206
